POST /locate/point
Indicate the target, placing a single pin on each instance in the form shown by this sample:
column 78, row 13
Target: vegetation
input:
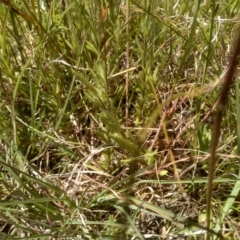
column 107, row 117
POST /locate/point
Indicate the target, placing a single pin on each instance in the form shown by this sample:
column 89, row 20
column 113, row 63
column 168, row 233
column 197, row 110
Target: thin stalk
column 221, row 104
column 127, row 59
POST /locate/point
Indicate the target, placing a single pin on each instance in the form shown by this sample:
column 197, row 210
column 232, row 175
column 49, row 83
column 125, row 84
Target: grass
column 108, row 114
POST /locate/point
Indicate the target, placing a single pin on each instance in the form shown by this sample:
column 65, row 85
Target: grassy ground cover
column 110, row 124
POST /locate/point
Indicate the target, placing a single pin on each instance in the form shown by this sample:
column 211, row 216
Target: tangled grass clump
column 115, row 122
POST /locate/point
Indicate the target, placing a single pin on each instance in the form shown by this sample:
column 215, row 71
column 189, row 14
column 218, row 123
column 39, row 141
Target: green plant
column 106, row 120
